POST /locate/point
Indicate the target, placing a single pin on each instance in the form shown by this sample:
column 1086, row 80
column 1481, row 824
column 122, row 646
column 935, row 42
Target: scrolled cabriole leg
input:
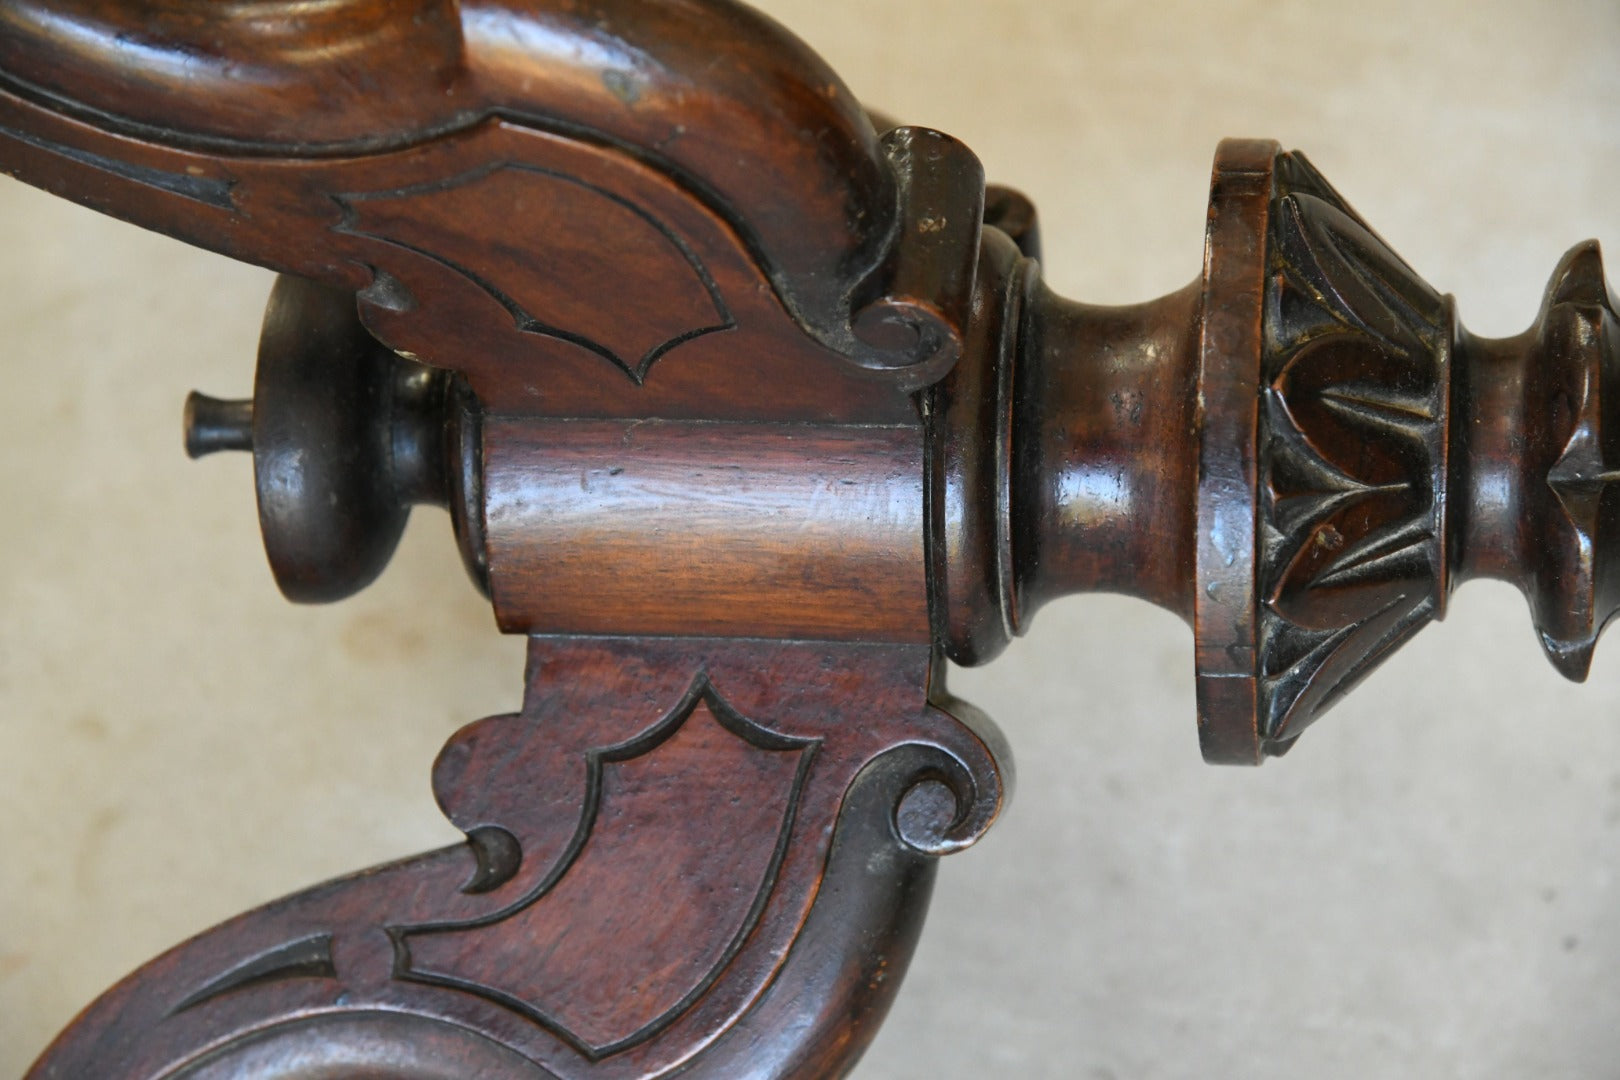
column 652, row 333
column 685, row 855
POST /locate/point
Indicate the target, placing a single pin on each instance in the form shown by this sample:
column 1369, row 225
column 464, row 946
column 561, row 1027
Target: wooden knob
column 1302, row 453
column 346, row 437
column 213, row 425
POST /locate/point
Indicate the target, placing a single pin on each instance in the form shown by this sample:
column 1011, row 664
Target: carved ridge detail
column 1353, row 443
column 1571, row 356
column 204, row 189
column 636, row 367
column 306, row 958
column 407, row 966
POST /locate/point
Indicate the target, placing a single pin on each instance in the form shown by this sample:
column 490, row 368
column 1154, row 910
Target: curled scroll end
column 904, row 334
column 915, row 325
column 926, row 813
column 499, row 856
column 951, row 792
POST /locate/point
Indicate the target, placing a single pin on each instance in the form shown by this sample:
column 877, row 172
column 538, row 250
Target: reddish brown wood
column 690, row 293
column 1099, row 454
column 767, row 136
column 681, row 527
column 346, row 437
column 1303, row 454
column 751, row 417
column 1231, row 338
column 649, row 836
column 1537, row 509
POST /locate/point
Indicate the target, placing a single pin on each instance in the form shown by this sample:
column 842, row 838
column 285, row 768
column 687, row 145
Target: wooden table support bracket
column 750, row 411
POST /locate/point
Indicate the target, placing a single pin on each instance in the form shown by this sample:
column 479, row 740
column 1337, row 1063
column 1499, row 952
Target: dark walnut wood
column 643, row 296
column 750, row 411
column 1303, row 454
column 648, row 839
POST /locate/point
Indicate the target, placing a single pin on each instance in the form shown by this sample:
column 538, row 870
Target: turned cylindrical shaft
column 1103, row 483
column 1302, row 454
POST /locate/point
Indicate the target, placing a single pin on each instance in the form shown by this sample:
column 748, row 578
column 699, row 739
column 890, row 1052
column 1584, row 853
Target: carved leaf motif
column 566, row 259
column 1355, row 404
column 667, row 876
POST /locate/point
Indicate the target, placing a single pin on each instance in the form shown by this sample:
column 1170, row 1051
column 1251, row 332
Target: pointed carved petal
column 1579, row 478
column 1378, row 555
column 1382, row 407
column 1573, row 661
column 1357, row 369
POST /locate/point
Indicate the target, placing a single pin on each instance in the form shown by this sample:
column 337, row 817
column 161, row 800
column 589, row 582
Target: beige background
column 1426, row 888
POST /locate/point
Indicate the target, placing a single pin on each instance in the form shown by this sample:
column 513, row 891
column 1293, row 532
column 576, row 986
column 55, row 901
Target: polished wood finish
column 653, row 299
column 1302, row 454
column 1101, row 483
column 680, row 527
column 1305, row 454
column 750, row 412
column 240, row 107
column 648, row 838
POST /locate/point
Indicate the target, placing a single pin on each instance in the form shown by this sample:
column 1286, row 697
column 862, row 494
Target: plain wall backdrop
column 1427, row 887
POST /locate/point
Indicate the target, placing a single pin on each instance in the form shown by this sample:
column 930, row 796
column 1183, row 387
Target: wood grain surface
column 1157, row 900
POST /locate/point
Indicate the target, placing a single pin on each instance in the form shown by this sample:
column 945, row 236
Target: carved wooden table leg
column 749, row 415
column 646, row 841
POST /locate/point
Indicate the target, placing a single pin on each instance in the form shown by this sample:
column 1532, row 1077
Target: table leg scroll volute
column 684, row 853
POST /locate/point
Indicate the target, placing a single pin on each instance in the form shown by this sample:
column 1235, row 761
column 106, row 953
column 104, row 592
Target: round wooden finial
column 1302, row 454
